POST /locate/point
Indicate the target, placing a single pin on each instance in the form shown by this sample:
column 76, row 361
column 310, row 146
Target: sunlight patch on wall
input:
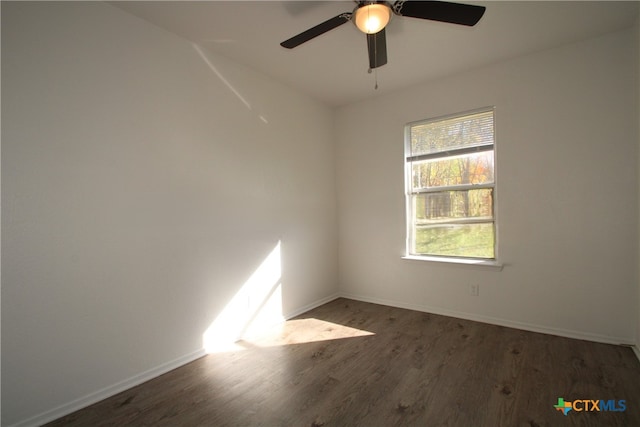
column 255, row 308
column 220, row 76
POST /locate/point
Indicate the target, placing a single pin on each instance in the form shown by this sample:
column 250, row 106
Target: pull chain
column 375, row 59
column 375, row 76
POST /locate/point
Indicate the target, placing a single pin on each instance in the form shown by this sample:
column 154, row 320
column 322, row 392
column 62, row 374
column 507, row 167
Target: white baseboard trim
column 312, row 305
column 97, row 396
column 109, row 391
column 121, row 386
column 567, row 333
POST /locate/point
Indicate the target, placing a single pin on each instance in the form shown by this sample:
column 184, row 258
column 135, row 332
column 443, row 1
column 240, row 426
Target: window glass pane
column 461, row 240
column 452, row 133
column 442, row 206
column 475, row 168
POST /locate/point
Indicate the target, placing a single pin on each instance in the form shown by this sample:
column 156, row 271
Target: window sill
column 490, row 264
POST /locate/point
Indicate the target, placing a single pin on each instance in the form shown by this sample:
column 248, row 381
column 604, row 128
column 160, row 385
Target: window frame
column 409, row 192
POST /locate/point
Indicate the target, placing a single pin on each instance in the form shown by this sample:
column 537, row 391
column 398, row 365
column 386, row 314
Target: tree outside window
column 450, row 185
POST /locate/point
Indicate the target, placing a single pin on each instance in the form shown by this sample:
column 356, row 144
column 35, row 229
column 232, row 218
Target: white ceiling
column 333, row 67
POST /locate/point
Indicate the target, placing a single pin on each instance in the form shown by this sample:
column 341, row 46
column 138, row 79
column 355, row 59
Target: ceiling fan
column 371, row 17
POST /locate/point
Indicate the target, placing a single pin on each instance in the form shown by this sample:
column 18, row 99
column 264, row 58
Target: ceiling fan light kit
column 371, row 17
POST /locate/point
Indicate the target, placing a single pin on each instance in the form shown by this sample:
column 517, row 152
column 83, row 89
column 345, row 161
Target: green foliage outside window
column 451, row 186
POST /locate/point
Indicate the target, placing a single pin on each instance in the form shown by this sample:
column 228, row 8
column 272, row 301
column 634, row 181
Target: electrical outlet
column 474, row 289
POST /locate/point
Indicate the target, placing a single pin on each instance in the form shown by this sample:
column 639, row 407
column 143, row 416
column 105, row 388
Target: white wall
column 142, row 184
column 567, row 208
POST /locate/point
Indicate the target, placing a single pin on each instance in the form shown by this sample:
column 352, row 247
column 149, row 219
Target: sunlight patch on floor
column 300, row 331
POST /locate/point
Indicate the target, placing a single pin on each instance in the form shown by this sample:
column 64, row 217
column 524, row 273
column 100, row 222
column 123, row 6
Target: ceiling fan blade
column 454, row 13
column 377, row 45
column 319, row 29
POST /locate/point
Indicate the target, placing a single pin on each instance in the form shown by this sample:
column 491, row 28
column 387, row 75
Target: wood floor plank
column 350, row 363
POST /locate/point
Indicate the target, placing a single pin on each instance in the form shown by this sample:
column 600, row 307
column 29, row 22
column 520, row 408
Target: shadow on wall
column 256, row 307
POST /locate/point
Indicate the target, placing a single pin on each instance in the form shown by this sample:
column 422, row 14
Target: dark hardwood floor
column 349, row 363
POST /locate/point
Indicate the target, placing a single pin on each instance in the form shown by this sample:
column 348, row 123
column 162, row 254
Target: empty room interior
column 213, row 217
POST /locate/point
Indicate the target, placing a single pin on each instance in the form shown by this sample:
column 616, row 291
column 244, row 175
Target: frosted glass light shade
column 372, row 18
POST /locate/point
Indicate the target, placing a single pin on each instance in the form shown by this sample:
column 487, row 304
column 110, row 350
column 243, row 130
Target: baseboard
column 121, row 386
column 312, row 305
column 567, row 333
column 109, row 391
column 114, row 389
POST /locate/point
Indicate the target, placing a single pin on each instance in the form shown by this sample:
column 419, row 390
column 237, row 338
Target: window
column 450, row 186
